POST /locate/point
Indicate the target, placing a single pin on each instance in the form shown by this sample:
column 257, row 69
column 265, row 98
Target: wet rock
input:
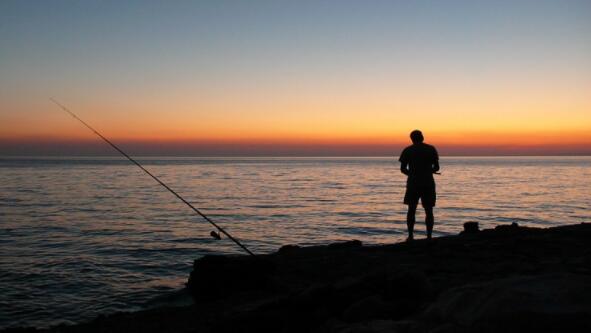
column 313, row 295
column 219, row 276
column 346, row 245
column 408, row 292
column 523, row 303
column 383, row 326
column 21, row 330
column 511, row 227
column 470, row 228
column 367, row 308
column 407, row 284
column 447, row 328
column 288, row 248
column 347, row 283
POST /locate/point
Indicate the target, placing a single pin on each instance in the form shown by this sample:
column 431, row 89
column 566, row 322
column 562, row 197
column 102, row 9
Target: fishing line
column 157, row 180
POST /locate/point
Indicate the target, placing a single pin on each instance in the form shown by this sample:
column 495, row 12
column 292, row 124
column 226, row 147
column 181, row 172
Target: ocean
column 84, row 236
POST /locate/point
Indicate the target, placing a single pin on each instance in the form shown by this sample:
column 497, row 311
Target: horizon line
column 277, row 156
column 95, row 147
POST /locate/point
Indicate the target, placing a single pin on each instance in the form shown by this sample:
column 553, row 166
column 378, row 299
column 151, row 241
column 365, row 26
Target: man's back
column 421, row 159
column 419, row 162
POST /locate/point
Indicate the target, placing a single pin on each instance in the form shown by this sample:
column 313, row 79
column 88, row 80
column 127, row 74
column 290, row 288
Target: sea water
column 81, row 237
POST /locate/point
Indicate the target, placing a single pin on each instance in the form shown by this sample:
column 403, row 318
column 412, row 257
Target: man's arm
column 435, row 161
column 435, row 166
column 404, row 161
column 404, row 167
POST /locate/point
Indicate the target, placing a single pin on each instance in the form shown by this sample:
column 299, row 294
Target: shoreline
column 509, row 278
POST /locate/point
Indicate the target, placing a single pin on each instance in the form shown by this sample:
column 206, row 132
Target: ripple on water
column 83, row 237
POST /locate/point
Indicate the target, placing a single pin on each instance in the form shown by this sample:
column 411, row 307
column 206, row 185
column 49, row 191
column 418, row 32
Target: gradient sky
column 296, row 77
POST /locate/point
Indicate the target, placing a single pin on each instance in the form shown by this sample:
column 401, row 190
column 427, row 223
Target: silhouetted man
column 419, row 161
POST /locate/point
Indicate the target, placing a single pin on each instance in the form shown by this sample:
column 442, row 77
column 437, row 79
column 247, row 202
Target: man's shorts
column 426, row 194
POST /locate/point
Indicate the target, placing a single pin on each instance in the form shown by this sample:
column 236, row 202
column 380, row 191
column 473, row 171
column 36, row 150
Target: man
column 419, row 162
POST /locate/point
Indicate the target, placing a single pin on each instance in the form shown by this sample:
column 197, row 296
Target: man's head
column 416, row 136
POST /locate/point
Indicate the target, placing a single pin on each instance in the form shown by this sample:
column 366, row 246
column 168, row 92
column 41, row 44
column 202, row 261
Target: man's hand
column 436, row 168
column 404, row 168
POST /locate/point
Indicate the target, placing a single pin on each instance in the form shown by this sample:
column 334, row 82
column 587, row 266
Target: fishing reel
column 215, row 235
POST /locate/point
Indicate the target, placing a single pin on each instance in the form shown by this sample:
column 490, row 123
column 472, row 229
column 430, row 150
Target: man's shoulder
column 404, row 153
column 411, row 150
column 429, row 147
column 408, row 148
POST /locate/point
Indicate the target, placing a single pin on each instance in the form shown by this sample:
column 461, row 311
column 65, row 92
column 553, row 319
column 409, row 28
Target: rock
column 445, row 328
column 219, row 276
column 288, row 248
column 367, row 308
column 313, row 295
column 407, row 284
column 523, row 303
column 20, row 330
column 470, row 228
column 346, row 245
column 512, row 227
column 347, row 283
column 382, row 326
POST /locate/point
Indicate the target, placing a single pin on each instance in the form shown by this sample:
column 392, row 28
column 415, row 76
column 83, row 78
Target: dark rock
column 512, row 227
column 20, row 330
column 382, row 326
column 313, row 295
column 470, row 228
column 367, row 308
column 408, row 291
column 525, row 303
column 331, row 325
column 219, row 276
column 446, row 328
column 407, row 284
column 346, row 245
column 288, row 248
column 374, row 326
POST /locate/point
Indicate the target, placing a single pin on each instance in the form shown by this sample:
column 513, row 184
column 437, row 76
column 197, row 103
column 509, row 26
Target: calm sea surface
column 84, row 236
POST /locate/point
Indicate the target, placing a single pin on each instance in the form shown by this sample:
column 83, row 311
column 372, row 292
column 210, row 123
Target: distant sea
column 84, row 236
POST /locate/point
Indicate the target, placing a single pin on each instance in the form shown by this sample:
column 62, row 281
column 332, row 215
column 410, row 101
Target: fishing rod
column 213, row 233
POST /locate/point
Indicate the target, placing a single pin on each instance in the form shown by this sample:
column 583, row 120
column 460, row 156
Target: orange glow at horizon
column 438, row 138
column 345, row 114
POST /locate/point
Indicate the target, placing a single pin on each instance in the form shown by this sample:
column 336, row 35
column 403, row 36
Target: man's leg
column 429, row 221
column 410, row 219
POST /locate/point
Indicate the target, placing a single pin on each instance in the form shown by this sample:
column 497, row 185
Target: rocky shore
column 507, row 279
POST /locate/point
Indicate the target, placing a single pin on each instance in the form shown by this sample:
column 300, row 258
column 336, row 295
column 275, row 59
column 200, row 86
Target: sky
column 296, row 77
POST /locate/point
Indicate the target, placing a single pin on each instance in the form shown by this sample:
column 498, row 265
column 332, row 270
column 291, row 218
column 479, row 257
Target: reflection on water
column 86, row 236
